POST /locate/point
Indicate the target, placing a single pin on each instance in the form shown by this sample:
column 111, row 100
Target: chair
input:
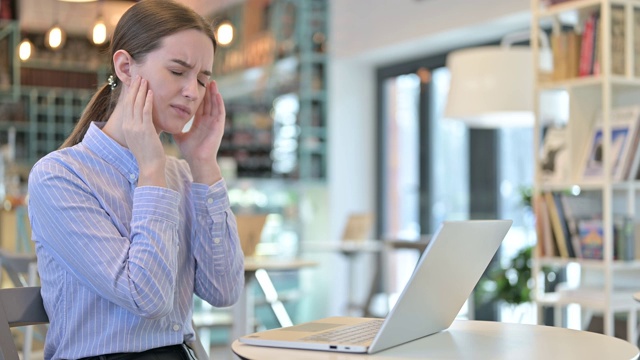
column 22, row 270
column 17, row 266
column 357, row 241
column 250, row 231
column 359, row 227
column 20, row 306
column 197, row 346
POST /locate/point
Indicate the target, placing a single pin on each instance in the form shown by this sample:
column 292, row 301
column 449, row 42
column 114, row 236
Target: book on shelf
column 546, row 245
column 595, row 50
column 624, row 133
column 578, row 53
column 565, row 46
column 592, row 238
column 636, row 42
column 559, row 226
column 587, row 45
column 624, row 236
column 554, row 161
column 617, row 40
column 571, row 226
column 555, row 2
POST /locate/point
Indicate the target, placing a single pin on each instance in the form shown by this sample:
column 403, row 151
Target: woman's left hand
column 200, row 144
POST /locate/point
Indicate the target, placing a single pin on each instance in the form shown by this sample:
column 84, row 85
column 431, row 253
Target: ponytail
column 99, row 108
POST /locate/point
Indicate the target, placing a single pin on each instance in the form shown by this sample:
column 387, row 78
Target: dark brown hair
column 139, row 32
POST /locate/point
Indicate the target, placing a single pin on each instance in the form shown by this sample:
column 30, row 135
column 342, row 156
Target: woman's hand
column 200, row 144
column 141, row 135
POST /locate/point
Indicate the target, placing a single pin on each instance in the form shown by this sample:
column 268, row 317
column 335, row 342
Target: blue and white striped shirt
column 119, row 264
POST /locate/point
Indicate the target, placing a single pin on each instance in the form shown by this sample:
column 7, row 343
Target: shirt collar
column 113, row 153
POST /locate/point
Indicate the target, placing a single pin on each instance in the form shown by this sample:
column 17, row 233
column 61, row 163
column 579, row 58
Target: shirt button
column 132, row 176
column 216, row 240
column 176, row 327
column 210, row 201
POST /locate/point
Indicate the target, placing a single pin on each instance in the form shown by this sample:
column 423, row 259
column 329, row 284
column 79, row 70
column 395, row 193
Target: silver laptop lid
column 443, row 279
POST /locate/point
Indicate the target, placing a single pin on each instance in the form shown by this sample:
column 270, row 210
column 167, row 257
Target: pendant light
column 55, row 36
column 99, row 32
column 225, row 33
column 25, row 49
column 492, row 86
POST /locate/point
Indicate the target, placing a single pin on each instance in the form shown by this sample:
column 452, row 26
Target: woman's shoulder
column 58, row 161
column 68, row 154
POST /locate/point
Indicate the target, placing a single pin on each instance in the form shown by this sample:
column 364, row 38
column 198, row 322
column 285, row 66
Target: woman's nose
column 190, row 90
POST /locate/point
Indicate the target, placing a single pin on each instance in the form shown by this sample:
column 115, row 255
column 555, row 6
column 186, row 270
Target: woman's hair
column 139, row 32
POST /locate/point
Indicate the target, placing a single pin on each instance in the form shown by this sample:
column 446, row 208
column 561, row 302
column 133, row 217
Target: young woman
column 125, row 235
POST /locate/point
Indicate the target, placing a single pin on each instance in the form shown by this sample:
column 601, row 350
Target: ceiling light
column 25, row 49
column 224, row 33
column 99, row 33
column 55, row 37
column 492, row 86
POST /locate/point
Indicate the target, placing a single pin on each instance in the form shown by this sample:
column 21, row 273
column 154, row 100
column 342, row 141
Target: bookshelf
column 46, row 94
column 274, row 85
column 599, row 82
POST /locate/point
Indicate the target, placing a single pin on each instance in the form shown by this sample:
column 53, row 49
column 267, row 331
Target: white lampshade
column 491, row 86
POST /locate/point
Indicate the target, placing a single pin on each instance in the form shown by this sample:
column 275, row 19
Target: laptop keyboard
column 355, row 334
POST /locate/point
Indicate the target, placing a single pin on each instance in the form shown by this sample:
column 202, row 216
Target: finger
column 140, row 101
column 131, row 95
column 200, row 111
column 147, row 111
column 212, row 90
column 207, row 104
column 221, row 110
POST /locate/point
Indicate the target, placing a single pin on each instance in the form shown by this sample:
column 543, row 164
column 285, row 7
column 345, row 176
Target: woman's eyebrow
column 189, row 66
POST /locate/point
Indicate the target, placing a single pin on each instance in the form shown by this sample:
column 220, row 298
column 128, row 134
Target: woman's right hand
column 141, row 135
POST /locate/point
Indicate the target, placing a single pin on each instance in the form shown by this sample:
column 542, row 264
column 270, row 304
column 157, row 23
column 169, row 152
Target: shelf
column 589, row 263
column 590, row 186
column 589, row 81
column 56, row 65
column 593, row 299
column 593, row 103
column 579, row 5
column 19, row 126
column 279, row 77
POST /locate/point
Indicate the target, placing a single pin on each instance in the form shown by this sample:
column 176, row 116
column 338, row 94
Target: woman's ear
column 123, row 63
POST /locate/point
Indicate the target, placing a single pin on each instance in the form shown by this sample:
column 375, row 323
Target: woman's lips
column 182, row 110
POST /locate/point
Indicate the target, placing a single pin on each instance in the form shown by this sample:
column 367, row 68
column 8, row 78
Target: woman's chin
column 177, row 126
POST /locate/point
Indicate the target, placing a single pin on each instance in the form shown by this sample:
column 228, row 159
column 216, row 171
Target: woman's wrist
column 205, row 172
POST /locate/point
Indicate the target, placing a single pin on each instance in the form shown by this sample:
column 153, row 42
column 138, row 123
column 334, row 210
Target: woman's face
column 177, row 73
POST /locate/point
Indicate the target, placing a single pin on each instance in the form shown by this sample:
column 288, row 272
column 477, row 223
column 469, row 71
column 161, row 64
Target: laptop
column 448, row 270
